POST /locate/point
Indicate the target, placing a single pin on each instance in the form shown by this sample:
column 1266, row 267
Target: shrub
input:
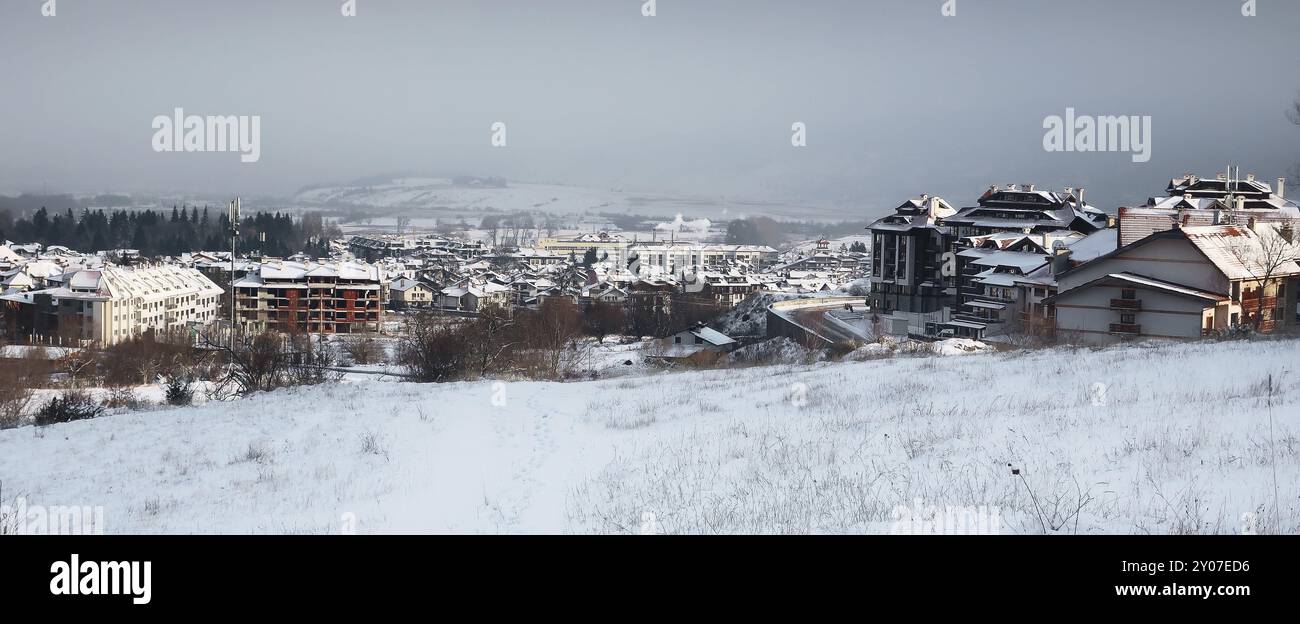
column 362, row 350
column 67, row 407
column 178, row 390
column 434, row 349
column 122, row 396
column 15, row 396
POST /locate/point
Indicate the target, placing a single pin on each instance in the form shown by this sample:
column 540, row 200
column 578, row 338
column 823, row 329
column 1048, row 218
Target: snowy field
column 1141, row 439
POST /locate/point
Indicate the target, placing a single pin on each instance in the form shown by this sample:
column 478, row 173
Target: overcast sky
column 897, row 99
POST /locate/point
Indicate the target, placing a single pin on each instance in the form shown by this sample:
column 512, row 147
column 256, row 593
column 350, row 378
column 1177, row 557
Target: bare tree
column 362, row 350
column 495, row 338
column 602, row 319
column 554, row 329
column 1265, row 256
column 433, row 348
column 15, row 395
column 78, row 364
column 266, row 360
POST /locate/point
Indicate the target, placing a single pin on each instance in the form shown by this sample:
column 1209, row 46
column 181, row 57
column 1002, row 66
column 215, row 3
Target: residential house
column 1183, row 283
column 406, row 293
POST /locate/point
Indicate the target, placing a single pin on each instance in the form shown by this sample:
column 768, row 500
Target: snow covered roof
column 711, row 336
column 1146, row 282
column 1094, row 245
column 146, row 284
column 346, row 270
column 1023, row 261
column 404, row 284
column 1240, row 253
column 1167, row 286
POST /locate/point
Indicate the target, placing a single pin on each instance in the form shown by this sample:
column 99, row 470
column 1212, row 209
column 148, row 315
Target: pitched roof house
column 1182, row 283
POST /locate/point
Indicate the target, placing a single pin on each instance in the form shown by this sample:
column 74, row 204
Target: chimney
column 1250, row 177
column 1060, row 259
column 934, row 206
column 1241, row 203
column 1281, row 188
column 1028, row 187
column 1081, row 203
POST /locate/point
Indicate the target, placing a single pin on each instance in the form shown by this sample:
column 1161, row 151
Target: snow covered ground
column 1138, row 439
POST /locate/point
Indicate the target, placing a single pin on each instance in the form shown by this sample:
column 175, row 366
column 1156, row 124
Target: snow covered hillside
column 1138, row 439
column 425, row 193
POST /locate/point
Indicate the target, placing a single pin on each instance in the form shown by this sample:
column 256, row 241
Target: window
column 1128, row 319
column 677, row 339
column 699, row 340
column 1128, row 293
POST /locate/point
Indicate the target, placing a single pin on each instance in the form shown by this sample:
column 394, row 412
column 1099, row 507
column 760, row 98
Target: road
column 815, row 318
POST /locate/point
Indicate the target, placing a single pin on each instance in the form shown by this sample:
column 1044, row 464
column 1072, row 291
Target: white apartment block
column 112, row 304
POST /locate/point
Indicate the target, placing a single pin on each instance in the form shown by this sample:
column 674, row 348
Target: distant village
column 1211, row 256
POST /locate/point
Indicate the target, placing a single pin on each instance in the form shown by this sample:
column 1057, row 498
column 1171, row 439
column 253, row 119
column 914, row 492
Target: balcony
column 1124, row 328
column 1126, row 304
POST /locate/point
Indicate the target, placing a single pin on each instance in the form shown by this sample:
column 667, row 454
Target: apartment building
column 907, row 250
column 1226, row 199
column 331, row 297
column 111, row 304
column 609, row 247
column 371, row 248
column 1025, row 208
column 672, row 258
